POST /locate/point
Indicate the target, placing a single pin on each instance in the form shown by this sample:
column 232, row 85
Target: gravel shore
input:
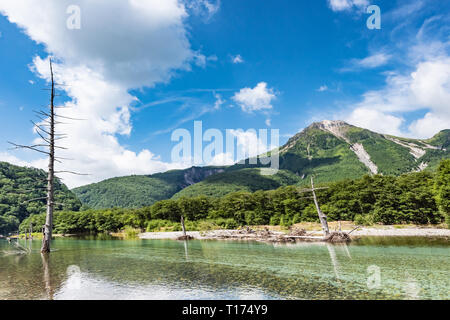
column 406, row 232
column 385, row 231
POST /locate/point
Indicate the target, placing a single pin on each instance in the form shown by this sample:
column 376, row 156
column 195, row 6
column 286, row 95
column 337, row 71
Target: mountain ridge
column 329, row 150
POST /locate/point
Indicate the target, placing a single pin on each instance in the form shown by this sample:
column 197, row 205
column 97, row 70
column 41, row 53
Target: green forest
column 419, row 198
column 19, row 186
column 312, row 152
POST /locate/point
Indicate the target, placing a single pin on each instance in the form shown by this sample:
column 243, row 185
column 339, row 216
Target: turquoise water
column 371, row 268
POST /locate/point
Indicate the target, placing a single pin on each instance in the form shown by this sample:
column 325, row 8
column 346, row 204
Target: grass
column 127, row 233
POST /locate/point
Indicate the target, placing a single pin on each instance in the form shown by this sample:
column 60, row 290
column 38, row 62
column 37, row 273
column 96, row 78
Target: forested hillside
column 19, row 185
column 329, row 150
column 140, row 191
column 247, row 179
column 421, row 198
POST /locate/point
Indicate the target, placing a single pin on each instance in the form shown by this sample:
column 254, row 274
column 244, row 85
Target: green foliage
column 236, row 180
column 314, row 151
column 442, row 189
column 18, row 185
column 92, row 221
column 131, row 233
column 140, row 191
column 410, row 198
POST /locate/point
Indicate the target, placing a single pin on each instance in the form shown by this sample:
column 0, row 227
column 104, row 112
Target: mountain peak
column 329, row 124
column 335, row 127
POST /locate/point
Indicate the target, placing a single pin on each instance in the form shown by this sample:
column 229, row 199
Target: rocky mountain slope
column 332, row 151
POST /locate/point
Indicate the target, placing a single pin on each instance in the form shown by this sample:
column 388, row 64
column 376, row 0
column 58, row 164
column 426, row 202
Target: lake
column 369, row 268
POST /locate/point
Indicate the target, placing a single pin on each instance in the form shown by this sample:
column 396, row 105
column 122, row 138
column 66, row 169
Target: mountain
column 140, row 191
column 235, row 179
column 19, row 185
column 329, row 150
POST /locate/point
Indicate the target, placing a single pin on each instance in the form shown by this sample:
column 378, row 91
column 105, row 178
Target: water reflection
column 46, row 272
column 186, row 250
column 334, row 260
column 103, row 269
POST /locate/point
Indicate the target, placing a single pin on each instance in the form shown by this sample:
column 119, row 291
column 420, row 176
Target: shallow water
column 370, row 268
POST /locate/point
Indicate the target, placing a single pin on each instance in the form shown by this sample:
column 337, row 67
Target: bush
column 364, row 220
column 131, row 233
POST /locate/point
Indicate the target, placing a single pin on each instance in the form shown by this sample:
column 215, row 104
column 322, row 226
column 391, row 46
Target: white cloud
column 7, row 157
column 375, row 120
column 100, row 63
column 370, row 62
column 222, row 159
column 219, row 101
column 373, row 61
column 201, row 60
column 342, row 5
column 256, row 99
column 248, row 145
column 427, row 88
column 323, row 88
column 204, row 8
column 237, row 59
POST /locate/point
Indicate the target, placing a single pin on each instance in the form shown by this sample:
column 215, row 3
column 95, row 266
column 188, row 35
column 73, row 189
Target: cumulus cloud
column 248, row 145
column 7, row 157
column 427, row 88
column 378, row 121
column 257, row 99
column 99, row 64
column 342, row 5
column 415, row 100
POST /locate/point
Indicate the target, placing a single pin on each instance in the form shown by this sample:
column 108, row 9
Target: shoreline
column 278, row 236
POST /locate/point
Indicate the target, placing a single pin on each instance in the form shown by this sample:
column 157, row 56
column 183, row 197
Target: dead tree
column 46, row 131
column 48, row 227
column 185, row 236
column 183, row 226
column 322, row 216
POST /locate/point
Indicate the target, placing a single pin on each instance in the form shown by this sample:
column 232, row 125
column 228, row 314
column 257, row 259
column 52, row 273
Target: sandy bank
column 385, row 231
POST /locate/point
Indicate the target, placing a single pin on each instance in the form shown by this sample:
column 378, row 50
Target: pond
column 369, row 268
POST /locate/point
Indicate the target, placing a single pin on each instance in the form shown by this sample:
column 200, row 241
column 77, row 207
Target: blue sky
column 139, row 70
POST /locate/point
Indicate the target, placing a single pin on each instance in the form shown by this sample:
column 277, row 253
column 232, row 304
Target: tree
column 46, row 131
column 48, row 226
column 442, row 189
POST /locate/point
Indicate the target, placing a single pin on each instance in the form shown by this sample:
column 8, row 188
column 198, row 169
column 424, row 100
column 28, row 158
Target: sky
column 137, row 70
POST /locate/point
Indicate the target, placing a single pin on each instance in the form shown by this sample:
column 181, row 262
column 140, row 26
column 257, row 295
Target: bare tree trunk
column 183, row 227
column 322, row 216
column 51, row 173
